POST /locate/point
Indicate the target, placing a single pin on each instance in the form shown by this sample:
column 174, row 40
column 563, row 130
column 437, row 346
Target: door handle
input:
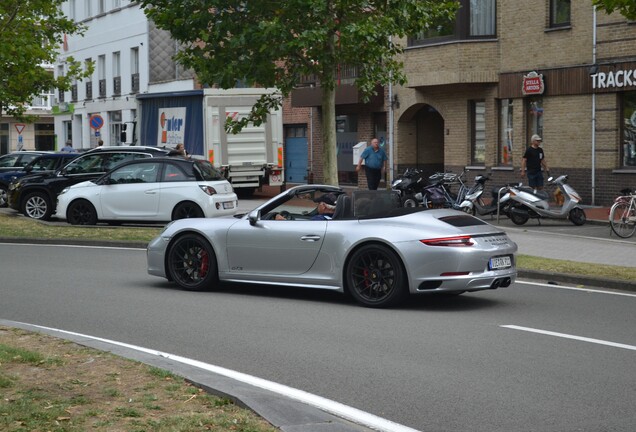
column 150, row 192
column 310, row 237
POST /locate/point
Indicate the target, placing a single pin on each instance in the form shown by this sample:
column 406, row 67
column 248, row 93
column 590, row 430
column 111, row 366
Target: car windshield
column 207, row 171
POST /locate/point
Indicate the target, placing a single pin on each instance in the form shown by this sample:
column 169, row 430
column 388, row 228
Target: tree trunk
column 329, row 154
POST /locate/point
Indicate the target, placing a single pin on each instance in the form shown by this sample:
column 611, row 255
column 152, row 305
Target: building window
column 134, row 69
column 44, row 136
column 475, row 19
column 72, row 10
column 346, row 138
column 100, row 6
column 88, row 8
column 559, row 13
column 4, row 138
column 101, row 75
column 114, row 119
column 628, row 150
column 534, row 117
column 482, row 17
column 505, row 133
column 478, row 132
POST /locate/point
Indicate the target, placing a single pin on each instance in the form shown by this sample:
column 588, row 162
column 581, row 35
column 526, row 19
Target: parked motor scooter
column 474, row 204
column 409, row 186
column 527, row 203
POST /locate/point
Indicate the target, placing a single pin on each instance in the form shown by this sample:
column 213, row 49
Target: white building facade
column 120, row 42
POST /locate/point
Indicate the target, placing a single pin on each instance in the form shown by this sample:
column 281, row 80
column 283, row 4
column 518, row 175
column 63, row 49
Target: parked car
column 45, row 163
column 157, row 189
column 372, row 248
column 18, row 160
column 35, row 195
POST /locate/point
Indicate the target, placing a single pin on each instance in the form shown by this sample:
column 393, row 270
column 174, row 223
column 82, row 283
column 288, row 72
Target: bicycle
column 622, row 215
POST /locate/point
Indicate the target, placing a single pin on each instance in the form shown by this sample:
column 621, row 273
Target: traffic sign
column 19, row 127
column 96, row 121
column 97, row 133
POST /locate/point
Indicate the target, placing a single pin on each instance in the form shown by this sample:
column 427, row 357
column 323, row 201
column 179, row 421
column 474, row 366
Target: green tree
column 272, row 43
column 31, row 32
column 627, row 8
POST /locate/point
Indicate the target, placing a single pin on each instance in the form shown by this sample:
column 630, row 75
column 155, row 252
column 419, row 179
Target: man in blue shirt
column 374, row 163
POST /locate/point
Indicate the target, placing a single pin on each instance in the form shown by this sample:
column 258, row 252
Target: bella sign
column 532, row 84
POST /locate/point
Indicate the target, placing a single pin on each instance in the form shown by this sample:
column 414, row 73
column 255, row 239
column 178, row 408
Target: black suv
column 42, row 164
column 35, row 195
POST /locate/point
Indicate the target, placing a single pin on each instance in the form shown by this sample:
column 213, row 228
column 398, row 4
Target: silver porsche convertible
column 370, row 247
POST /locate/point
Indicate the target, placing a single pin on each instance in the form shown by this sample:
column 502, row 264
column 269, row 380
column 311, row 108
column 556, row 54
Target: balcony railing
column 117, row 85
column 344, row 75
column 134, row 79
column 89, row 90
column 102, row 88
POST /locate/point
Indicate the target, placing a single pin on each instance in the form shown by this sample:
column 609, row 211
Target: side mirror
column 28, row 168
column 254, row 216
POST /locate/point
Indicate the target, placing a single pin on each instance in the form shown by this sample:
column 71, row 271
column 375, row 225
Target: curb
column 578, row 280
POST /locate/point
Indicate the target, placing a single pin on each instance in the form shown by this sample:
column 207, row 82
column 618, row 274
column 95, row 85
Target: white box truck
column 252, row 157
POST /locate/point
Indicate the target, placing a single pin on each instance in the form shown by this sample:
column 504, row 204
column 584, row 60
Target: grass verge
column 49, row 384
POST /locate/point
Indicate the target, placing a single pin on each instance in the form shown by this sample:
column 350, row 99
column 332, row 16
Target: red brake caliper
column 205, row 263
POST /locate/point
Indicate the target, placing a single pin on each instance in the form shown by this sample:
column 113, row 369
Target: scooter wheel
column 518, row 219
column 409, row 201
column 577, row 216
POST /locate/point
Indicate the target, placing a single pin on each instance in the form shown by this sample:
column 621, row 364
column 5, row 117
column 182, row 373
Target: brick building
column 478, row 89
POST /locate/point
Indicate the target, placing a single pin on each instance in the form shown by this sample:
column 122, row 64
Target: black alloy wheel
column 375, row 277
column 187, row 210
column 191, row 263
column 81, row 212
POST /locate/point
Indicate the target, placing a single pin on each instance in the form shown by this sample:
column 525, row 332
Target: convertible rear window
column 462, row 220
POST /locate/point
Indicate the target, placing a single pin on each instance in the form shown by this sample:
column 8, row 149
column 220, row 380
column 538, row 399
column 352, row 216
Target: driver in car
column 325, row 209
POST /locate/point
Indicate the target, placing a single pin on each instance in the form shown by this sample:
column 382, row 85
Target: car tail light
column 208, row 189
column 457, row 241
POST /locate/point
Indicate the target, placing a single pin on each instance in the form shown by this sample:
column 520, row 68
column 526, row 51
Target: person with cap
column 374, row 164
column 326, row 206
column 532, row 162
column 68, row 148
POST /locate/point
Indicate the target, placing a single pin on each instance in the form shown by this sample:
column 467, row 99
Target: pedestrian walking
column 374, row 164
column 68, row 148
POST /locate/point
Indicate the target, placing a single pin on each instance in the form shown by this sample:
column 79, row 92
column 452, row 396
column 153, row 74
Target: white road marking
column 572, row 288
column 568, row 336
column 344, row 411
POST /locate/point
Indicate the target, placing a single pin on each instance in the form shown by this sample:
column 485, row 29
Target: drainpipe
column 390, row 138
column 594, row 112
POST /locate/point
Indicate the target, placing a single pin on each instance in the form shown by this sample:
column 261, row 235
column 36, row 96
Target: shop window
column 44, row 136
column 628, row 147
column 478, row 132
column 474, row 19
column 534, row 117
column 504, row 151
column 560, row 13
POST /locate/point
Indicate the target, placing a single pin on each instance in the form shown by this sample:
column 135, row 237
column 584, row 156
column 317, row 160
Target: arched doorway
column 429, row 140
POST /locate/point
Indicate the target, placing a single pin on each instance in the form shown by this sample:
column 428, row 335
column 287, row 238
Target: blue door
column 296, row 160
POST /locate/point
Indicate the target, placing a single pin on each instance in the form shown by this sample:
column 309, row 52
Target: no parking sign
column 96, row 121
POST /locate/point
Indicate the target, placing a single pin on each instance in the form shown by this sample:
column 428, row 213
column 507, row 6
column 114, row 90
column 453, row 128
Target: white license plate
column 498, row 263
column 228, row 205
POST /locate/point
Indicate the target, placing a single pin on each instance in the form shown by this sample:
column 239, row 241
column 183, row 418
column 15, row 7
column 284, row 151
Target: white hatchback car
column 154, row 189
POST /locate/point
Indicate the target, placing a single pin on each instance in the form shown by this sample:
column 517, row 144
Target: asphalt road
column 437, row 364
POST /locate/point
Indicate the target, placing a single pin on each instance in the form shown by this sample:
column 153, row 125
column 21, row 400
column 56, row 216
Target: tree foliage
column 627, row 8
column 31, row 32
column 272, row 43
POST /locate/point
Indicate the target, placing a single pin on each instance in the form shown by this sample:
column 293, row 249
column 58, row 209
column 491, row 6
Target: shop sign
column 532, row 84
column 614, row 79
